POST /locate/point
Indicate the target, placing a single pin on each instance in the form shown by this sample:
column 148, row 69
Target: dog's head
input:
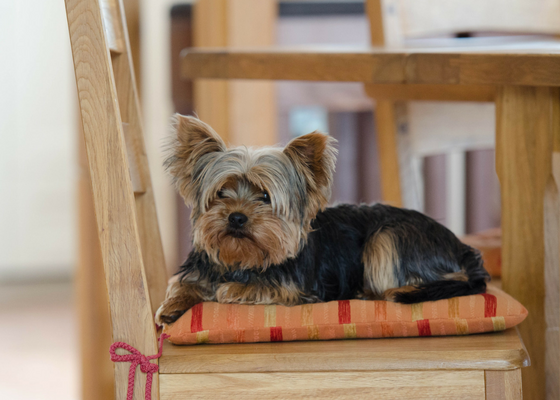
column 251, row 208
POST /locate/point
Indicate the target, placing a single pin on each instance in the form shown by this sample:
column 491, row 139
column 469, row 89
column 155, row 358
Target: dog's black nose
column 237, row 220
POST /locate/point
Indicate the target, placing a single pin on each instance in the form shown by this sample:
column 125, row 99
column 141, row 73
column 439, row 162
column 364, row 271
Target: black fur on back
column 445, row 289
column 329, row 267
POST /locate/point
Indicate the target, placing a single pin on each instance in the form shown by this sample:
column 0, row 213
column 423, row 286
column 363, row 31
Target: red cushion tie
column 136, row 358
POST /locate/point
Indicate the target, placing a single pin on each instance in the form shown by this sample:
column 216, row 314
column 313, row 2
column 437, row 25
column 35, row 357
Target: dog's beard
column 266, row 240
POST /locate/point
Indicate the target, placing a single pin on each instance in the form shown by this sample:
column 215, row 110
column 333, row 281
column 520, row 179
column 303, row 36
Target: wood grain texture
column 552, row 262
column 96, row 373
column 489, row 65
column 304, row 65
column 552, row 279
column 152, row 249
column 146, row 217
column 431, row 92
column 446, row 385
column 132, row 12
column 499, row 351
column 504, row 385
column 134, row 168
column 524, row 145
column 106, row 101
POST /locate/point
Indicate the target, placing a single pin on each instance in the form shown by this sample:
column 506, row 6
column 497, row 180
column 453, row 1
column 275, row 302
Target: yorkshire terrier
column 262, row 234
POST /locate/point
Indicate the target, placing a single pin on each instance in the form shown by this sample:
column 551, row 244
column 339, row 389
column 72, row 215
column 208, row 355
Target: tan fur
column 298, row 179
column 193, row 140
column 286, row 294
column 456, row 276
column 314, row 157
column 381, row 261
column 181, row 296
column 218, row 181
column 269, row 239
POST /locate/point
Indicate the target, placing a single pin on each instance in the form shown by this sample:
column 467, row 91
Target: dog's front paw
column 171, row 310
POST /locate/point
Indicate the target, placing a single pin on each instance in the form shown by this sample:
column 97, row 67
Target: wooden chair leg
column 456, row 191
column 97, row 378
column 503, row 385
column 401, row 177
column 386, row 130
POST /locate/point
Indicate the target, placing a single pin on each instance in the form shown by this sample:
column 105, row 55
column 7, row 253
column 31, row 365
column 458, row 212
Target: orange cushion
column 346, row 319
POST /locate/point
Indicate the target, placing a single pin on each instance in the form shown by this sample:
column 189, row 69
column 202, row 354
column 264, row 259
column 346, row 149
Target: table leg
column 526, row 126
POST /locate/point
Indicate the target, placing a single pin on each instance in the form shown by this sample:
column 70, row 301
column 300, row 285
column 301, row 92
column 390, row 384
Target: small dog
column 262, row 234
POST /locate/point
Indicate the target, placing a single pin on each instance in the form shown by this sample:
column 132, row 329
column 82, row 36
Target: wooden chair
column 123, row 197
column 481, row 366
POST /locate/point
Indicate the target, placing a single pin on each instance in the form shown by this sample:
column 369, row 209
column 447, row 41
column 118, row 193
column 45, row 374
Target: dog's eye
column 265, row 198
column 221, row 194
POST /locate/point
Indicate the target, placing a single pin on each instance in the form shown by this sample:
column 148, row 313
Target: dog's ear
column 193, row 139
column 314, row 156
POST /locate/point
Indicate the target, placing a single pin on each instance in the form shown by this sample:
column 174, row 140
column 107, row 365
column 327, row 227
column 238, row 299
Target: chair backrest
column 123, row 197
column 392, row 21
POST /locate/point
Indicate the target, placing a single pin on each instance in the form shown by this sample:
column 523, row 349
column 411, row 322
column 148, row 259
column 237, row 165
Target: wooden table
column 523, row 80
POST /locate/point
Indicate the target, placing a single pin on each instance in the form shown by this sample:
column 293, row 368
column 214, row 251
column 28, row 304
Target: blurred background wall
column 38, row 218
column 38, row 122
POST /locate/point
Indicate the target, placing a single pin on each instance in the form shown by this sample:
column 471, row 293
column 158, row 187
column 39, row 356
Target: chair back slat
column 112, row 25
column 123, row 196
column 138, row 185
column 148, row 228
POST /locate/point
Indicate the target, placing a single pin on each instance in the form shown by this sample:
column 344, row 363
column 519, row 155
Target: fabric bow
column 136, row 358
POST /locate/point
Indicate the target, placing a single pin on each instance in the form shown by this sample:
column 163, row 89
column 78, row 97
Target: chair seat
column 459, row 367
column 494, row 351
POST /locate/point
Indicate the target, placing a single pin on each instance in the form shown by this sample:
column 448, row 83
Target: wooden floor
column 39, row 349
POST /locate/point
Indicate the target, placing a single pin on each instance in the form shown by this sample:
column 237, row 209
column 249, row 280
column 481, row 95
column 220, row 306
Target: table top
column 516, row 60
column 492, row 351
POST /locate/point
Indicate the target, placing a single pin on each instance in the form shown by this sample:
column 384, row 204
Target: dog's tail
column 474, row 282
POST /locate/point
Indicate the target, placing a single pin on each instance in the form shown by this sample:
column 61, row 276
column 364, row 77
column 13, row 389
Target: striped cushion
column 346, row 319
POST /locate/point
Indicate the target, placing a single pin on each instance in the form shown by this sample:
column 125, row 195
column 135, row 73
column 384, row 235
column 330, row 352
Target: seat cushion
column 346, row 319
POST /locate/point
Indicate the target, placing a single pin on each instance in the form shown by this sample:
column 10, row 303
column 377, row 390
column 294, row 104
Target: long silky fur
column 293, row 250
